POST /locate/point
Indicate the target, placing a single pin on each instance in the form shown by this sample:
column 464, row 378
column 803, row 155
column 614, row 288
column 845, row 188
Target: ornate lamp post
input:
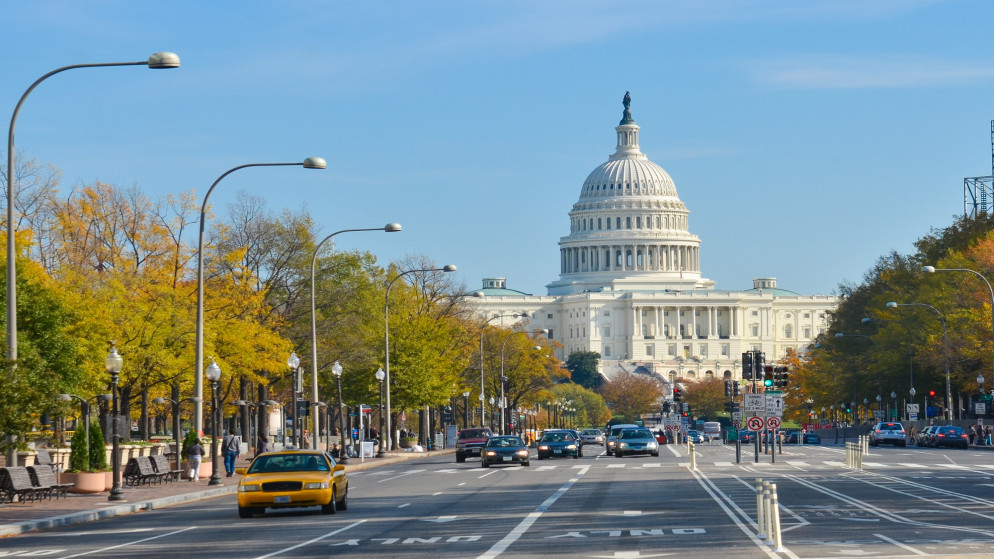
column 893, row 397
column 113, row 363
column 380, row 375
column 465, row 409
column 176, row 425
column 343, row 456
column 294, row 363
column 213, row 375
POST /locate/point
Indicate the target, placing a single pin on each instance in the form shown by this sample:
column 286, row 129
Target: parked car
column 558, row 443
column 292, row 478
column 592, row 436
column 809, row 438
column 950, row 435
column 695, row 436
column 470, row 442
column 612, row 436
column 747, row 436
column 888, row 432
column 924, row 436
column 636, row 441
column 504, row 449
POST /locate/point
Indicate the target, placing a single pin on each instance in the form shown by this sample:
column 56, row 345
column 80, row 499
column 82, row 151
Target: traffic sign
column 774, row 404
column 773, row 422
column 755, row 423
column 754, row 402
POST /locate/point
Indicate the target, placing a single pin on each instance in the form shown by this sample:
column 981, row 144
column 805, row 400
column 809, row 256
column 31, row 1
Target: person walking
column 232, row 450
column 195, row 453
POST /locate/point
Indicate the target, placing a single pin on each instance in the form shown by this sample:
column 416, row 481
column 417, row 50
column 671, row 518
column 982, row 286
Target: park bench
column 139, row 470
column 15, row 482
column 161, row 465
column 42, row 476
column 43, row 458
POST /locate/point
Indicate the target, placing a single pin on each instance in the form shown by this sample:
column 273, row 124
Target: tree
column 584, row 369
column 98, row 448
column 630, row 395
column 706, row 397
column 590, row 407
column 79, row 456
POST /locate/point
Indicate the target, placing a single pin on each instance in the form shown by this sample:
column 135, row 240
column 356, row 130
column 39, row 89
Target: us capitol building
column 630, row 284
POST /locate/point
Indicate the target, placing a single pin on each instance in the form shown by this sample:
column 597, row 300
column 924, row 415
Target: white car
column 592, row 436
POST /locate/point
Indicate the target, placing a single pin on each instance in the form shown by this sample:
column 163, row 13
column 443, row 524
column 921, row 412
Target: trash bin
column 439, row 441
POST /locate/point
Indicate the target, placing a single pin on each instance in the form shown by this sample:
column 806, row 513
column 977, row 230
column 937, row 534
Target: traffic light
column 780, row 377
column 447, row 414
column 768, row 376
column 930, row 400
column 736, row 389
column 747, row 365
column 759, row 359
column 677, row 394
column 666, row 407
column 728, row 390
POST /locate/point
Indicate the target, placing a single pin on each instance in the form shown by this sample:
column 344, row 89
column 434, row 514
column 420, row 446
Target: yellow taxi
column 292, row 478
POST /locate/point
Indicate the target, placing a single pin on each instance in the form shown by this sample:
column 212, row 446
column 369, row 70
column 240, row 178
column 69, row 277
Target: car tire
column 247, row 512
column 576, row 457
column 332, row 506
column 618, row 454
column 344, row 503
column 526, row 463
column 460, row 458
column 902, row 444
column 540, row 457
column 484, row 464
column 656, row 454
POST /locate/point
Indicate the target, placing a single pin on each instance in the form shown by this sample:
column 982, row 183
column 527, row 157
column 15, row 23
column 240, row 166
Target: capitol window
column 598, row 224
column 607, row 351
column 628, row 223
column 788, row 332
column 617, row 223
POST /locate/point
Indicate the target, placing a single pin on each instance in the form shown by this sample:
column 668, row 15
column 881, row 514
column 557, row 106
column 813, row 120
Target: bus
column 712, row 430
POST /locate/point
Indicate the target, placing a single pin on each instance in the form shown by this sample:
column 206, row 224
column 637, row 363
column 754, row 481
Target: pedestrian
column 336, row 452
column 232, row 450
column 195, row 453
column 987, row 435
column 912, row 438
column 262, row 445
column 973, row 434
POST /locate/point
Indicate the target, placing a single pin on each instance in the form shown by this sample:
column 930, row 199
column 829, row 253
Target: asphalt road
column 904, row 503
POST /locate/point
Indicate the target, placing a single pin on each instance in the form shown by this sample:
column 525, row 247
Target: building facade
column 630, row 285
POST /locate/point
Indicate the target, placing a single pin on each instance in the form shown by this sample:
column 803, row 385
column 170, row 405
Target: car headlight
column 491, row 453
column 610, row 443
column 622, row 445
column 571, row 447
column 522, row 453
column 543, row 447
column 650, row 444
column 248, row 488
column 316, row 485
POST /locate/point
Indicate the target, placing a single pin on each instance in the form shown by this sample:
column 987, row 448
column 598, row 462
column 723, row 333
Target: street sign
column 755, row 423
column 773, row 422
column 980, row 408
column 774, row 404
column 737, row 416
column 754, row 402
column 912, row 408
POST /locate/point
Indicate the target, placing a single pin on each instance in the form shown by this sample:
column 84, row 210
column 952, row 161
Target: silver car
column 592, row 436
column 636, row 441
column 888, row 432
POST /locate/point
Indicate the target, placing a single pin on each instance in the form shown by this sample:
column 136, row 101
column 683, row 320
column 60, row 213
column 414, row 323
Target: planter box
column 87, row 482
column 205, row 469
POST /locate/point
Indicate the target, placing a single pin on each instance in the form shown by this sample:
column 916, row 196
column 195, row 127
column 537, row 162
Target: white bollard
column 767, row 516
column 760, row 523
column 693, row 456
column 775, row 518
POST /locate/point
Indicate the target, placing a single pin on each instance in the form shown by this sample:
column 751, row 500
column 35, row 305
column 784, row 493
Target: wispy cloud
column 839, row 72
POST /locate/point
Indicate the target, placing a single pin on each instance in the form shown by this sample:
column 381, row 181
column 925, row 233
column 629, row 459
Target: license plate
column 282, row 499
column 558, row 451
column 505, row 458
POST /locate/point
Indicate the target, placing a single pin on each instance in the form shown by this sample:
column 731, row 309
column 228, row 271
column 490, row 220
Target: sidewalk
column 18, row 518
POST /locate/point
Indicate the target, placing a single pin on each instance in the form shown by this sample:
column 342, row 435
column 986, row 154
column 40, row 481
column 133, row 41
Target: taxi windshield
column 310, row 462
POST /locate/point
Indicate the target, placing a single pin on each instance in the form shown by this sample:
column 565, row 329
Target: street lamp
column 380, row 375
column 893, row 396
column 483, row 329
column 386, row 339
column 389, row 228
column 85, row 405
column 945, row 349
column 343, row 456
column 176, row 425
column 465, row 409
column 503, row 379
column 492, row 413
column 294, row 363
column 198, row 423
column 932, row 270
column 159, row 60
column 213, row 375
column 113, row 363
column 253, row 441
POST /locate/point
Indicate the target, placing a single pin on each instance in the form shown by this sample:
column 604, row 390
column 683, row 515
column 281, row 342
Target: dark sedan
column 809, row 438
column 558, row 444
column 504, row 450
column 949, row 435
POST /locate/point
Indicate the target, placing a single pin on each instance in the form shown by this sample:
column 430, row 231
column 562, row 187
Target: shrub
column 188, row 440
column 98, row 449
column 79, row 456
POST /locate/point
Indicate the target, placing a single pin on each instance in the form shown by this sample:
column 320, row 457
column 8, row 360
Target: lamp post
column 945, row 349
column 343, row 456
column 503, row 379
column 465, row 409
column 213, row 375
column 932, row 270
column 309, row 163
column 254, row 424
column 294, row 363
column 893, row 397
column 176, row 425
column 159, row 60
column 389, row 228
column 492, row 413
column 85, row 405
column 113, row 363
column 380, row 375
column 386, row 340
column 523, row 314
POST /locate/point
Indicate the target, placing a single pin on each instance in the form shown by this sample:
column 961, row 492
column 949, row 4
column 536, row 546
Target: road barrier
column 854, row 455
column 768, row 513
column 693, row 455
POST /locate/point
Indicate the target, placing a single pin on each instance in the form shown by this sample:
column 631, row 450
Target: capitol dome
column 629, row 229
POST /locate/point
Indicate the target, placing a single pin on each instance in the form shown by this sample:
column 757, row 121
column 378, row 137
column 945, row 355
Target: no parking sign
column 755, row 423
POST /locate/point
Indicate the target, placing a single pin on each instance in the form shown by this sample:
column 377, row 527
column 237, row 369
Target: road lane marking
column 407, row 473
column 129, row 543
column 527, row 521
column 491, row 472
column 901, row 545
column 404, row 505
column 727, row 504
column 308, row 542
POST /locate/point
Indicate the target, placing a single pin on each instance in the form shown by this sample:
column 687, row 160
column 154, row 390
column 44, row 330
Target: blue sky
column 806, row 138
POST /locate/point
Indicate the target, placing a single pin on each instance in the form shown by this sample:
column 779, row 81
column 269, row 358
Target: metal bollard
column 693, row 456
column 760, row 523
column 775, row 518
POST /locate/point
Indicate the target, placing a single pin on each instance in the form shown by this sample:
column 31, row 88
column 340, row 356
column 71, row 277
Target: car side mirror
column 339, row 468
column 240, row 471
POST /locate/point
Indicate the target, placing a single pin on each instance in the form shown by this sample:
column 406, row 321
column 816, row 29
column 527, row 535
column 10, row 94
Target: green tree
column 79, row 455
column 584, row 368
column 98, row 448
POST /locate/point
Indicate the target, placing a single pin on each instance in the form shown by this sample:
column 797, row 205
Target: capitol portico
column 630, row 284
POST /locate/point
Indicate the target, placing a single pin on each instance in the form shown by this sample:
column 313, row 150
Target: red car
column 661, row 436
column 471, row 442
